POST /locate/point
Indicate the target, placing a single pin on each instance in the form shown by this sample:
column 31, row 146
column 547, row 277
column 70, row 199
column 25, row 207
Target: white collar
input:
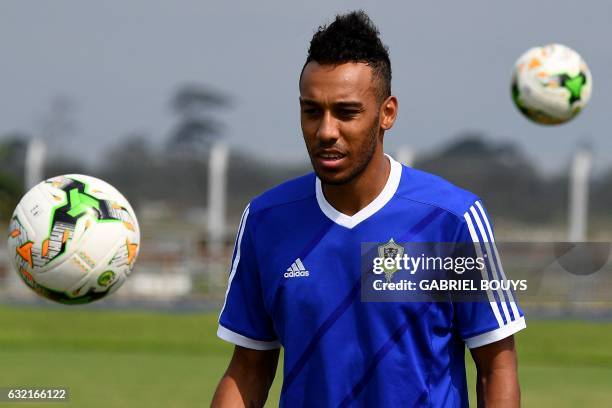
column 350, row 221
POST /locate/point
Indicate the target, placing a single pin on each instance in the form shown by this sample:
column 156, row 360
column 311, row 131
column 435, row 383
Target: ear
column 388, row 112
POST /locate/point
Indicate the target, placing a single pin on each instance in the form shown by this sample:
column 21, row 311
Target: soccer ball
column 73, row 239
column 551, row 84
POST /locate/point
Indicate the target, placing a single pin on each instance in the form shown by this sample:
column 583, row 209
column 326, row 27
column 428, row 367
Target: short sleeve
column 500, row 316
column 244, row 320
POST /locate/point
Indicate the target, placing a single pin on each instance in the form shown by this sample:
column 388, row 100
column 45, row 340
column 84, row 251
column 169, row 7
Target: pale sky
column 120, row 62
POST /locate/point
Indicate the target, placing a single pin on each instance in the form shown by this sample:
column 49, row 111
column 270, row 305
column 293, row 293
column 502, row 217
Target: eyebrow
column 340, row 104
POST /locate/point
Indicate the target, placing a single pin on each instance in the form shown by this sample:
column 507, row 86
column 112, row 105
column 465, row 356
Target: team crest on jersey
column 390, row 250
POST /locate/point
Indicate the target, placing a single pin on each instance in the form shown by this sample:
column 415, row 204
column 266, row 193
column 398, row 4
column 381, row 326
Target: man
column 295, row 274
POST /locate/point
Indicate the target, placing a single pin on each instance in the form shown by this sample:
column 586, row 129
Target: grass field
column 140, row 359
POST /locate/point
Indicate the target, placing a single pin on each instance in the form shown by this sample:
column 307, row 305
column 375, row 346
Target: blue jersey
column 295, row 282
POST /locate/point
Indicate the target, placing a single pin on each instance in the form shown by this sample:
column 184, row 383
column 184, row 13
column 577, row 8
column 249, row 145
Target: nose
column 328, row 133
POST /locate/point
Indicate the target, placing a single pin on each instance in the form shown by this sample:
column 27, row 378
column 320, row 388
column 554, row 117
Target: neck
column 351, row 197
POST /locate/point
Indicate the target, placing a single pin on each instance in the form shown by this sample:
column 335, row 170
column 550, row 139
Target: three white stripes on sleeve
column 482, row 236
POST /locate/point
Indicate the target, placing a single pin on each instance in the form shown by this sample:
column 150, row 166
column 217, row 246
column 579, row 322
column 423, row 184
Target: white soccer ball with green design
column 551, row 84
column 73, row 239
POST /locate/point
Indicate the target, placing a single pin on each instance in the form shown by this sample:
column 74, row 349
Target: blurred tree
column 13, row 148
column 197, row 129
column 501, row 175
column 143, row 172
column 600, row 199
column 12, row 153
column 10, row 193
column 61, row 164
column 132, row 167
column 248, row 177
column 191, row 99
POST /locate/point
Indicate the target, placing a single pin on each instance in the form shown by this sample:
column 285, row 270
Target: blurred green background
column 152, row 359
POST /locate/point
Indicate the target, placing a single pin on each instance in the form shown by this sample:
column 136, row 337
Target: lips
column 331, row 156
column 330, row 159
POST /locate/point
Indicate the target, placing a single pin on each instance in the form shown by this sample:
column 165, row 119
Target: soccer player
column 295, row 274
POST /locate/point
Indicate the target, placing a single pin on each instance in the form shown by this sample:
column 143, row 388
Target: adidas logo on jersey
column 296, row 270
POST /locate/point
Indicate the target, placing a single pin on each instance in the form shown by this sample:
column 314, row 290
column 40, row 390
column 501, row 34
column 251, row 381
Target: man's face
column 340, row 119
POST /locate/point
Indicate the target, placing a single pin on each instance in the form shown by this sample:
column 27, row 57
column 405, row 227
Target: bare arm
column 247, row 380
column 496, row 374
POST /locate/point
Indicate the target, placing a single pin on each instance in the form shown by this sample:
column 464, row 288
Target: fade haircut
column 353, row 37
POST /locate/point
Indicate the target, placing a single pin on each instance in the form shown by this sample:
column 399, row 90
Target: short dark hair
column 352, row 37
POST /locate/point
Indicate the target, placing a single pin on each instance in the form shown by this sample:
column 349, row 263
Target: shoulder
column 429, row 189
column 291, row 191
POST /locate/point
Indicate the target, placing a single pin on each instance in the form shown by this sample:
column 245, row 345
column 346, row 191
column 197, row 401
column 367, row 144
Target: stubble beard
column 363, row 159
